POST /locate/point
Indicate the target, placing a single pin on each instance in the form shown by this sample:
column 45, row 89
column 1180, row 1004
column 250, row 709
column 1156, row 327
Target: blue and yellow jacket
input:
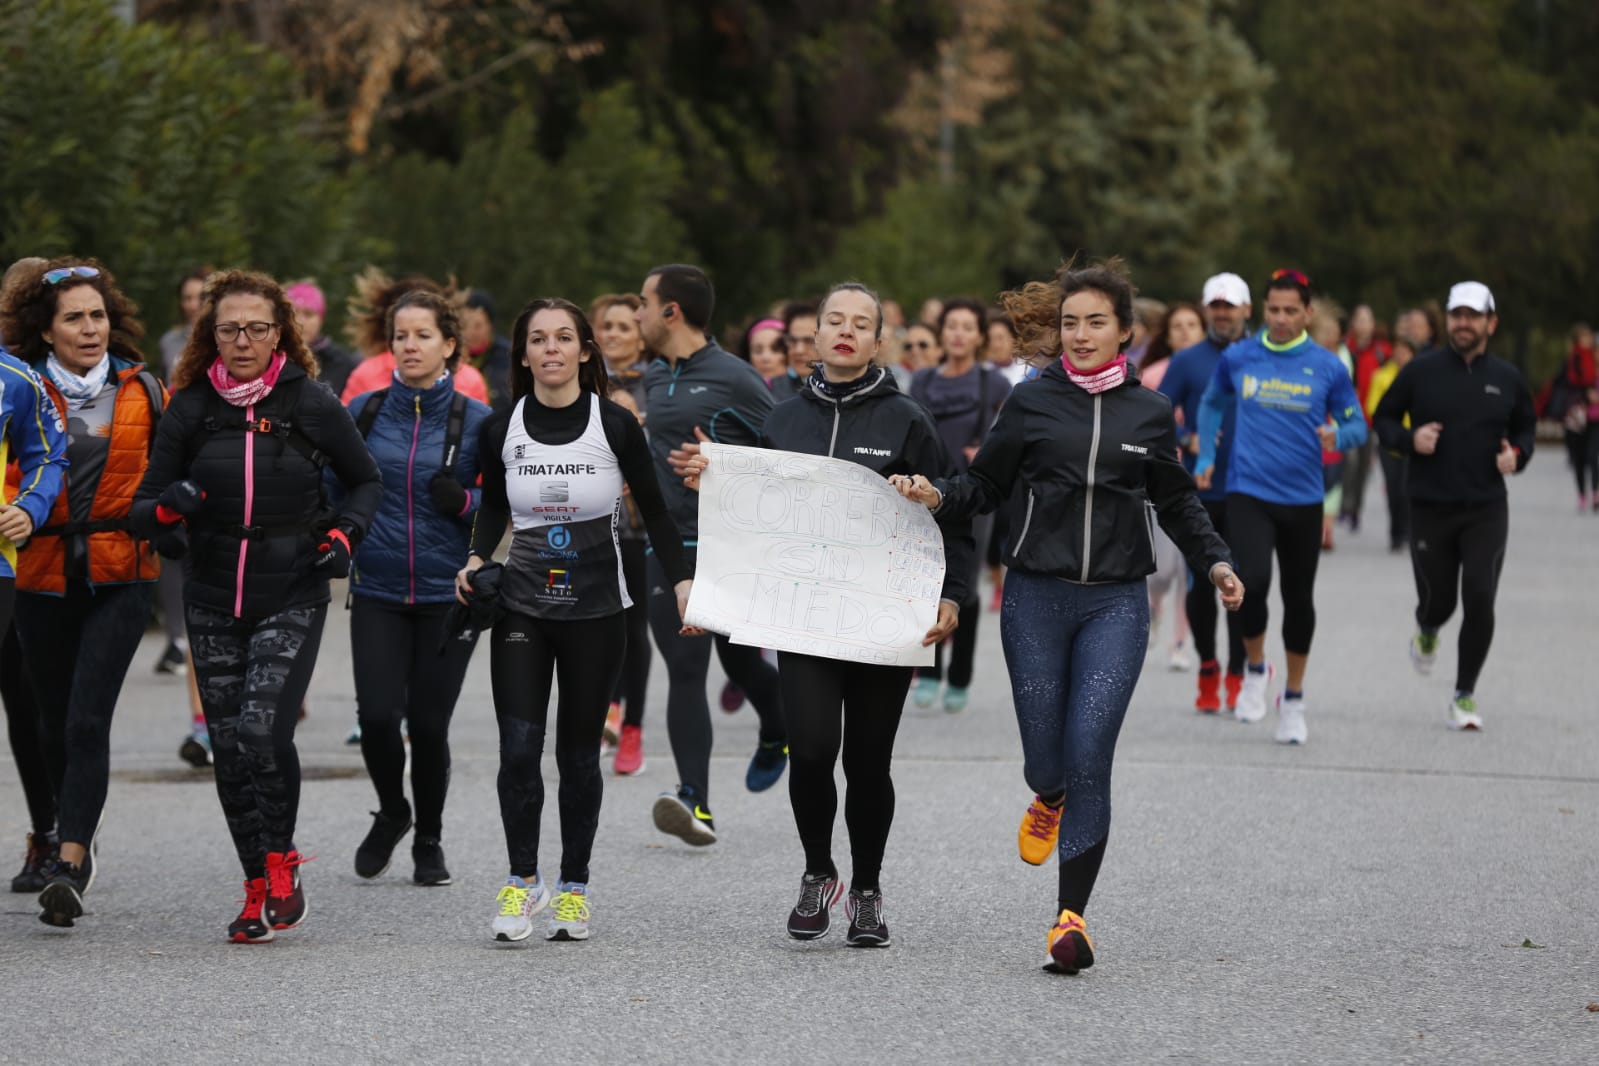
column 32, row 437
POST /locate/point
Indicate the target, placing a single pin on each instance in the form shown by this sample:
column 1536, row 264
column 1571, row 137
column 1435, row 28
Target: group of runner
column 268, row 486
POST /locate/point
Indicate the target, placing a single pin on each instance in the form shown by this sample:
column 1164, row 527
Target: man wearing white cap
column 1225, row 306
column 1471, row 422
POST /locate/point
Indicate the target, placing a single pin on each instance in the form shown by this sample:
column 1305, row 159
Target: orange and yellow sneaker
column 1069, row 948
column 1039, row 832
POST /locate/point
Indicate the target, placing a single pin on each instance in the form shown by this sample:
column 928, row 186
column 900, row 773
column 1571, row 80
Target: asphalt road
column 1390, row 892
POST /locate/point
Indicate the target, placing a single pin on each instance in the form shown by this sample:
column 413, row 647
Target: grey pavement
column 1364, row 899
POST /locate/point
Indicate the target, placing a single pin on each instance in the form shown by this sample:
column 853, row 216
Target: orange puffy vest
column 116, row 556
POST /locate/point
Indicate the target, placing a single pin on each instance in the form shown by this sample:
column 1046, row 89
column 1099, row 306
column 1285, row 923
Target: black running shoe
column 682, row 814
column 373, row 856
column 41, row 852
column 866, row 926
column 810, row 920
column 173, row 662
column 61, row 900
column 251, row 927
column 285, row 902
column 194, row 750
column 428, row 856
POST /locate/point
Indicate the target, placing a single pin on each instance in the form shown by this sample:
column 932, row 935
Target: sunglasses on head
column 1294, row 275
column 60, row 274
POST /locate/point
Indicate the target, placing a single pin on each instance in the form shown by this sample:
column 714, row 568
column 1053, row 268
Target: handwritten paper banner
column 821, row 556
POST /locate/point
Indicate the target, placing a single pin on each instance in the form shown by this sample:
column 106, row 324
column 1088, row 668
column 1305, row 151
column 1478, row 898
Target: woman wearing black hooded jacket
column 238, row 463
column 851, row 409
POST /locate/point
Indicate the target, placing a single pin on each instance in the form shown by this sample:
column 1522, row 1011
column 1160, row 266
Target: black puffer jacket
column 1086, row 468
column 301, row 426
column 884, row 430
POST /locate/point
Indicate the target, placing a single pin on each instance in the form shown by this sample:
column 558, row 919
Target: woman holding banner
column 554, row 466
column 851, row 408
column 1092, row 451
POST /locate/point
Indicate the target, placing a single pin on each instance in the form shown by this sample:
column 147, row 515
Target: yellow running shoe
column 1039, row 832
column 1069, row 948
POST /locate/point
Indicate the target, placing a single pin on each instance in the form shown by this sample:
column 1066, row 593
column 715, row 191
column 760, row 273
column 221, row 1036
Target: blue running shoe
column 766, row 766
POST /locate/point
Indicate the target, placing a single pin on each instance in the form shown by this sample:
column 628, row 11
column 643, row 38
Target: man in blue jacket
column 1225, row 305
column 1293, row 398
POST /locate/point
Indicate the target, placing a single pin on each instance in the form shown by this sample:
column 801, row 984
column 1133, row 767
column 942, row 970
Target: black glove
column 173, row 543
column 449, row 495
column 177, row 501
column 333, row 554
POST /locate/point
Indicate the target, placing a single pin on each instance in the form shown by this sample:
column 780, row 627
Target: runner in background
column 174, row 658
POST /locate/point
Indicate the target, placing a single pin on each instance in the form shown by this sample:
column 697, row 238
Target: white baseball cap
column 1473, row 295
column 1228, row 288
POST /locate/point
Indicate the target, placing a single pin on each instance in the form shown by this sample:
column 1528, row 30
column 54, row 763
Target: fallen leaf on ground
column 1530, row 944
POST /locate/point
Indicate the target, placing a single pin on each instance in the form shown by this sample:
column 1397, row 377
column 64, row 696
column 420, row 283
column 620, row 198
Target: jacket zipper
column 833, row 440
column 1027, row 521
column 249, row 506
column 1088, row 504
column 410, row 498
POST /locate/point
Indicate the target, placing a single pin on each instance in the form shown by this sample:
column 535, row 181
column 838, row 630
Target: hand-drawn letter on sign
column 808, row 554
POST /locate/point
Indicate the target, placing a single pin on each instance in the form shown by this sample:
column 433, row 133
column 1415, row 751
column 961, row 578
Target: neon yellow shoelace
column 571, row 907
column 512, row 900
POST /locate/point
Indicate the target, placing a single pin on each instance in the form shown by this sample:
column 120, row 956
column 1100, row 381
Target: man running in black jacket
column 1465, row 418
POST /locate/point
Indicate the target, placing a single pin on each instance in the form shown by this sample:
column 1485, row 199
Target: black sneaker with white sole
column 810, row 919
column 372, row 857
column 867, row 929
column 61, row 899
column 35, row 862
column 428, row 856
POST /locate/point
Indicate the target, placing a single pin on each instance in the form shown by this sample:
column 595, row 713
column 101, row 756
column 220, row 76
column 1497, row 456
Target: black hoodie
column 1086, row 468
column 886, row 431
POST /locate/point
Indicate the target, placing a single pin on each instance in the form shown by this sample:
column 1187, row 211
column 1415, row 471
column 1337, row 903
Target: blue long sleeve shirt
column 1283, row 394
column 32, row 436
column 1187, row 377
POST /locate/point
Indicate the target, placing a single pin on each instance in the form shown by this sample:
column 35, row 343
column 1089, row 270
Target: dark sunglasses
column 60, row 274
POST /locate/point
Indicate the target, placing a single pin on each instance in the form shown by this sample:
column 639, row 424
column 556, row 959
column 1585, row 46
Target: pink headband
column 767, row 323
column 307, row 296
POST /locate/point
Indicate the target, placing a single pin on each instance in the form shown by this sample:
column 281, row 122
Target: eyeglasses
column 923, row 345
column 1294, row 274
column 228, row 332
column 57, row 276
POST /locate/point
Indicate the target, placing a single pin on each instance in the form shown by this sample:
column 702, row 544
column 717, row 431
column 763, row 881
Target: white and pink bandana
column 1106, row 377
column 246, row 393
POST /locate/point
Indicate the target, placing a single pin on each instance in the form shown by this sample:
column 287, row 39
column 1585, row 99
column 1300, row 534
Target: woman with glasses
column 85, row 581
column 238, row 468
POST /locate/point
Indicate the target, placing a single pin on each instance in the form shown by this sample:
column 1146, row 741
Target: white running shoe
column 1252, row 694
column 1463, row 715
column 571, row 918
column 1182, row 660
column 1291, row 721
column 1423, row 652
column 517, row 903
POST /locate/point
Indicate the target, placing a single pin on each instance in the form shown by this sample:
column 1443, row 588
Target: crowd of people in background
column 226, row 484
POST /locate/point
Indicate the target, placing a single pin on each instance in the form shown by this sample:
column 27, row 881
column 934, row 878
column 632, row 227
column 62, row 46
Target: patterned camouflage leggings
column 253, row 673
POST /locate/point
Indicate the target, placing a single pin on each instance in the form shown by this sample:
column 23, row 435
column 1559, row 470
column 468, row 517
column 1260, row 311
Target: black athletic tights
column 1202, row 606
column 688, row 713
column 634, row 683
column 22, row 722
column 826, row 703
column 1255, row 529
column 400, row 674
column 1457, row 553
column 584, row 658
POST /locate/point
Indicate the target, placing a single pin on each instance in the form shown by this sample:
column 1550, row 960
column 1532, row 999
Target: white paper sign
column 821, row 556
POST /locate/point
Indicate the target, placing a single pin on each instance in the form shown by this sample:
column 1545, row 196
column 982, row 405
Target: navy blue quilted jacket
column 412, row 551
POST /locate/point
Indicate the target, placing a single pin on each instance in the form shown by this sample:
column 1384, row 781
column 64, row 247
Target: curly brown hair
column 28, row 307
column 201, row 350
column 367, row 323
column 1034, row 308
column 446, row 315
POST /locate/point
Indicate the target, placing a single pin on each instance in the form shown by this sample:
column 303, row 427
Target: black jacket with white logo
column 884, row 430
column 1085, row 470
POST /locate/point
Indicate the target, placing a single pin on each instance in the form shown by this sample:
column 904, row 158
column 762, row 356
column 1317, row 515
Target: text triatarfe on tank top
column 555, row 469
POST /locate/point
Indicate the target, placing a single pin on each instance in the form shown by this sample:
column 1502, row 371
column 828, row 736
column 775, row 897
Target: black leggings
column 78, row 647
column 1582, row 451
column 688, row 714
column 22, row 721
column 1255, row 529
column 828, row 702
column 401, row 674
column 1457, row 553
column 584, row 658
column 1202, row 607
column 962, row 649
column 252, row 674
column 634, row 683
column 1396, row 475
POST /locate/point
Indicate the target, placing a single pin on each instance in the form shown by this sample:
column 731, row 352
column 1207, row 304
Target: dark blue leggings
column 1074, row 653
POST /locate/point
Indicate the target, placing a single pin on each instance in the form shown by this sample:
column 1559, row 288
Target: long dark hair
column 591, row 373
column 1160, row 348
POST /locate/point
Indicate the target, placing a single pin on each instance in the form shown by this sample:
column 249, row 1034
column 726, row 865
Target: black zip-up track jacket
column 884, row 430
column 1086, row 469
column 1479, row 404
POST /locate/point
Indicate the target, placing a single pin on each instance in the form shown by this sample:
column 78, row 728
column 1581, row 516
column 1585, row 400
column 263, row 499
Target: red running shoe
column 732, row 697
column 250, row 927
column 1209, row 699
column 1234, row 683
column 285, row 902
column 630, row 752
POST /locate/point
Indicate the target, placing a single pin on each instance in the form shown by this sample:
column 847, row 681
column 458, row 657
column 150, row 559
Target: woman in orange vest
column 85, row 581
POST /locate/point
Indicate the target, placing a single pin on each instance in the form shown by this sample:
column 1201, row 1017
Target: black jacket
column 1479, row 404
column 301, row 427
column 884, row 430
column 1086, row 469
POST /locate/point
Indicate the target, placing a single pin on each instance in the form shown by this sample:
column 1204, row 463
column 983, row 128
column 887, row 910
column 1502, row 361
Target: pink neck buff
column 246, row 393
column 1106, row 377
